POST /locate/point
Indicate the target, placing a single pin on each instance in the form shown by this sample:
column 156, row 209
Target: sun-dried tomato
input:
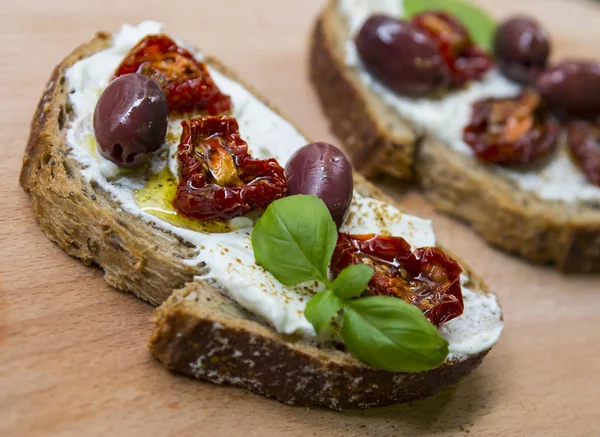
column 185, row 81
column 584, row 142
column 218, row 178
column 426, row 277
column 465, row 60
column 511, row 131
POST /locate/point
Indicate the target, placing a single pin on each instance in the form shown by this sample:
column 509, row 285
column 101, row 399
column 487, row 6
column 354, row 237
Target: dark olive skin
column 572, row 89
column 522, row 49
column 322, row 170
column 402, row 56
column 130, row 120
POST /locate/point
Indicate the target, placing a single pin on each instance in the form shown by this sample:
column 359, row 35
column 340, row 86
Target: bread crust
column 206, row 342
column 80, row 217
column 545, row 232
column 209, row 337
column 541, row 231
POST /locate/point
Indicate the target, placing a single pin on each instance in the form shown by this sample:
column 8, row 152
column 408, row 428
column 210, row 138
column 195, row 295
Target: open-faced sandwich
column 275, row 267
column 502, row 142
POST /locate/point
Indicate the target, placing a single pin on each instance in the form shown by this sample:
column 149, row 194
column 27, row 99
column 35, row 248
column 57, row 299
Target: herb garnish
column 294, row 240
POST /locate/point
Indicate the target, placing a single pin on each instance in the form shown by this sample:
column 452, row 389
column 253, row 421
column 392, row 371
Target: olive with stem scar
column 130, row 120
column 322, row 170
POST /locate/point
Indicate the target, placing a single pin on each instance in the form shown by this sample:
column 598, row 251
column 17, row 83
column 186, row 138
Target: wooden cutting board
column 73, row 354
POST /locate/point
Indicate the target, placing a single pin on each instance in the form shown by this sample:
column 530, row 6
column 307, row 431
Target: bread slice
column 382, row 142
column 199, row 330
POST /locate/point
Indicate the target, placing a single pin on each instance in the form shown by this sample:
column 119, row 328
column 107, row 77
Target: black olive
column 522, row 48
column 572, row 89
column 402, row 56
column 322, row 170
column 131, row 119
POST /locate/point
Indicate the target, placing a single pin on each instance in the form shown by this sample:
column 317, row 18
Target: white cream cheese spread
column 228, row 257
column 445, row 118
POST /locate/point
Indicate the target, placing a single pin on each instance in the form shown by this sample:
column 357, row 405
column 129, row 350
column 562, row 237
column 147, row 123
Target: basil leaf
column 352, row 281
column 390, row 334
column 321, row 308
column 294, row 240
column 480, row 25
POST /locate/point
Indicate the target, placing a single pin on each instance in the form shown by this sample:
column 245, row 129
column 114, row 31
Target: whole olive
column 572, row 89
column 322, row 170
column 522, row 48
column 402, row 56
column 130, row 120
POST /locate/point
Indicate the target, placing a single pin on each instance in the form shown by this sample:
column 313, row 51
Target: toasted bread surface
column 199, row 331
column 548, row 232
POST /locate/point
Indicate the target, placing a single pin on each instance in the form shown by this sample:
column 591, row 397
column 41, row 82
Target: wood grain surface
column 73, row 354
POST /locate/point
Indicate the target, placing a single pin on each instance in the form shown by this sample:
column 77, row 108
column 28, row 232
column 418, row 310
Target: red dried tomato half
column 426, row 278
column 511, row 131
column 218, row 179
column 584, row 142
column 186, row 82
column 465, row 60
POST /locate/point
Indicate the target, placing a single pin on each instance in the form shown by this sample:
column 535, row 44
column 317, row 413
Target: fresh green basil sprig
column 294, row 240
column 480, row 25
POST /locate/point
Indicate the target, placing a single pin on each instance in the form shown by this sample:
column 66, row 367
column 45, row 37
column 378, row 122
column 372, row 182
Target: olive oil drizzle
column 157, row 196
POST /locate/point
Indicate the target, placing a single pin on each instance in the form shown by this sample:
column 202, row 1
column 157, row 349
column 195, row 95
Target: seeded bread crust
column 198, row 330
column 545, row 232
column 205, row 335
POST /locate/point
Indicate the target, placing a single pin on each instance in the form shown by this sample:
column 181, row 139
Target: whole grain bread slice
column 198, row 330
column 381, row 142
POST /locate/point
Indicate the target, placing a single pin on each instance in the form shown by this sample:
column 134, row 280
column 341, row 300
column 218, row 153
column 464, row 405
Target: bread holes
column 105, row 226
column 61, row 118
column 44, row 160
column 96, row 190
column 68, row 169
column 92, row 247
column 124, row 225
column 115, row 242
